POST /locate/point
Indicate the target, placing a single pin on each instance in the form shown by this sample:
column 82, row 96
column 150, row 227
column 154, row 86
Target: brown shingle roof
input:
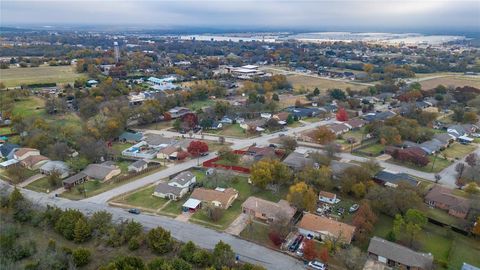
column 22, row 151
column 210, row 195
column 33, row 160
column 269, row 208
column 356, row 122
column 327, row 194
column 444, row 195
column 325, row 225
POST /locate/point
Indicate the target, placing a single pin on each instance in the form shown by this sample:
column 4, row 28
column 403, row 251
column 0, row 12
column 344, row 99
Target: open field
column 29, row 106
column 288, row 100
column 231, row 131
column 143, row 198
column 438, row 166
column 308, row 82
column 44, row 74
column 455, row 81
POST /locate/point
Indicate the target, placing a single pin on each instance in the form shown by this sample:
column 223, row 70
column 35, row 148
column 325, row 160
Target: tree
column 359, row 190
column 223, row 255
column 319, row 178
column 288, row 143
column 14, row 198
column 82, row 231
column 226, row 153
column 471, row 188
column 364, row 220
column 338, row 94
column 316, row 91
column 187, row 251
column 476, row 227
column 177, row 124
column 324, row 256
column 196, row 148
column 412, row 223
column 159, row 240
column 261, row 174
column 309, row 250
column 81, row 256
column 470, row 117
column 392, row 201
column 66, row 223
column 353, row 258
column 471, row 159
column 323, row 135
column 342, row 115
column 100, row 222
column 460, row 168
column 16, row 174
column 54, row 179
column 302, row 197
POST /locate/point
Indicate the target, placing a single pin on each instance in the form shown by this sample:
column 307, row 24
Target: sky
column 353, row 15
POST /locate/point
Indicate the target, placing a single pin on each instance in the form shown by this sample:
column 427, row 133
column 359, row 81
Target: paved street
column 449, row 174
column 203, row 237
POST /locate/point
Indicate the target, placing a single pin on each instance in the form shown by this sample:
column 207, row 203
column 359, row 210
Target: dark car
column 294, row 246
column 204, row 154
column 134, row 211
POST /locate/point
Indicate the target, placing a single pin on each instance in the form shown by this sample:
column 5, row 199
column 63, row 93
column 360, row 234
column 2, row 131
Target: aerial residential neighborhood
column 240, row 143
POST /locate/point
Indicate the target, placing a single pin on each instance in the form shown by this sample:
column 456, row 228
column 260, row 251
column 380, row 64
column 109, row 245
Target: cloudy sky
column 368, row 15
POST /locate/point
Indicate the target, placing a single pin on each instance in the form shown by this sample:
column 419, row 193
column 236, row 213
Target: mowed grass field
column 301, row 81
column 16, row 76
column 449, row 80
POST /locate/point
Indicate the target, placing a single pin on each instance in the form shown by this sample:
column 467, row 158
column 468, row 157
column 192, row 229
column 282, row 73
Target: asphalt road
column 203, row 237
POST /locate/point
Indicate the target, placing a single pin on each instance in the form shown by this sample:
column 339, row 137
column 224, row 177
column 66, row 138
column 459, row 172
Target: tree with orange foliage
column 324, row 256
column 195, row 148
column 364, row 221
column 342, row 115
column 309, row 250
column 323, row 135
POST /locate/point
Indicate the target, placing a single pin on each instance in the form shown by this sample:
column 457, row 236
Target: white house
column 177, row 187
column 328, row 197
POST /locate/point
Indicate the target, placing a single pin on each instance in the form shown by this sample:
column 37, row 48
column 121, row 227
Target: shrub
column 275, row 238
column 159, row 240
column 135, row 243
column 81, row 256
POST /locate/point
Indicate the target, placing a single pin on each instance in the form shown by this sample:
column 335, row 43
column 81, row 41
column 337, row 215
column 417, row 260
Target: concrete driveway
column 237, row 226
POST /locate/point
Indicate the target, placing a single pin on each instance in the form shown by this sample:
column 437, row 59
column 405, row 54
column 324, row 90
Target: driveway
column 182, row 231
column 237, row 226
column 30, row 180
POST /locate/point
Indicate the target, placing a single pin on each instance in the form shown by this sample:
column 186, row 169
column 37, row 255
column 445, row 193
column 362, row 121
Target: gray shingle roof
column 395, row 178
column 98, row 171
column 52, row 165
column 183, row 178
column 139, row 163
column 297, row 160
column 166, row 188
column 400, row 253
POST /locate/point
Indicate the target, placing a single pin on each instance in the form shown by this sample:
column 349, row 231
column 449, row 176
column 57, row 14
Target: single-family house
column 219, row 197
column 74, row 180
column 392, row 179
column 324, row 228
column 268, row 211
column 57, row 166
column 328, row 197
column 281, row 116
column 381, row 116
column 300, row 113
column 445, row 138
column 297, row 161
column 167, row 153
column 7, row 150
column 103, row 171
column 23, row 153
column 130, row 137
column 177, row 187
column 157, row 141
column 261, row 152
column 138, row 166
column 355, row 123
column 33, row 162
column 398, row 256
column 338, row 167
column 257, row 125
column 432, row 146
column 226, row 120
column 178, row 112
column 8, row 163
column 338, row 128
column 442, row 198
column 216, row 125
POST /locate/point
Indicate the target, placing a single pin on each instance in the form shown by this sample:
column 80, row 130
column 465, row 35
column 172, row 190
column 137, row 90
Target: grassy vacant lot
column 118, row 147
column 308, row 82
column 29, row 106
column 143, row 198
column 438, row 166
column 231, row 131
column 258, row 233
column 444, row 217
column 356, row 134
column 455, row 81
column 373, row 150
column 458, row 150
column 41, row 185
column 199, row 104
column 44, row 74
column 158, row 125
column 445, row 245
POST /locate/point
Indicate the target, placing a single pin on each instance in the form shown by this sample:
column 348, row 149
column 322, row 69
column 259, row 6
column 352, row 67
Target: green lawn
column 41, row 185
column 118, row 147
column 5, row 130
column 96, row 187
column 356, row 134
column 295, row 124
column 199, row 104
column 373, row 150
column 123, row 165
column 458, row 150
column 158, row 125
column 16, row 76
column 29, row 106
column 231, row 131
column 444, row 217
column 438, row 166
column 143, row 198
column 175, row 207
column 311, row 119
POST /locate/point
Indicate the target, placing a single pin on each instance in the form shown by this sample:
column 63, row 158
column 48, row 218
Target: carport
column 191, row 205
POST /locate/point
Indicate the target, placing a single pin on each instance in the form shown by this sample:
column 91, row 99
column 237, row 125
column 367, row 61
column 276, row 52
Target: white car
column 317, row 265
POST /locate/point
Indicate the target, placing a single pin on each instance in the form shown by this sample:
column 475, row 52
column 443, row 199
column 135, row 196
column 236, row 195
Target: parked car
column 354, row 208
column 341, row 210
column 317, row 265
column 134, row 211
column 294, row 246
column 204, row 154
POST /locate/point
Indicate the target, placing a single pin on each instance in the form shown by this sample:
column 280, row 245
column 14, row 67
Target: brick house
column 442, row 198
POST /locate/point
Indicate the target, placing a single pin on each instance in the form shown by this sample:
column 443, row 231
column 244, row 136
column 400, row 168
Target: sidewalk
column 30, row 180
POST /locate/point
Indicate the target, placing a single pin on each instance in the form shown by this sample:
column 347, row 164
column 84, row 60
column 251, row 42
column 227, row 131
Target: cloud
column 311, row 14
